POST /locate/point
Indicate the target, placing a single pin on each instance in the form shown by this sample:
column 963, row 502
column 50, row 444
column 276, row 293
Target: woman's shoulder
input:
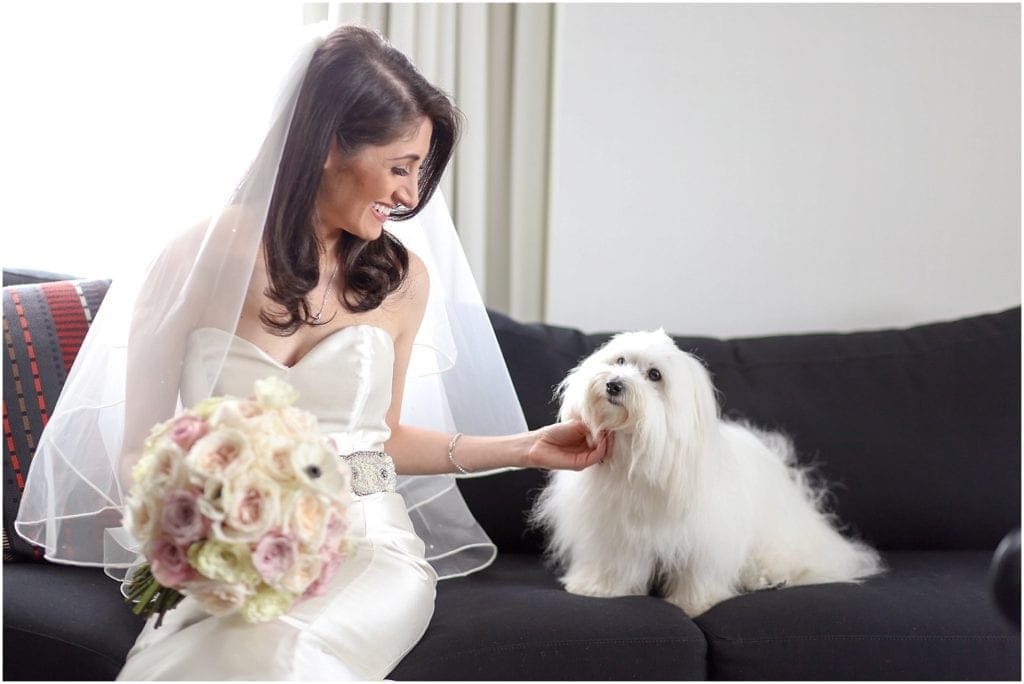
column 409, row 301
column 418, row 274
column 416, row 287
column 213, row 234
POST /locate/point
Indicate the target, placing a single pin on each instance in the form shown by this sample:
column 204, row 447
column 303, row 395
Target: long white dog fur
column 710, row 508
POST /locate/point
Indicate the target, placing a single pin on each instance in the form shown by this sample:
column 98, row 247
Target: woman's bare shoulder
column 418, row 276
column 410, row 299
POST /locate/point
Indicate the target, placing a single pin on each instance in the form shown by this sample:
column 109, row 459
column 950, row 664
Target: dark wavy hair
column 361, row 91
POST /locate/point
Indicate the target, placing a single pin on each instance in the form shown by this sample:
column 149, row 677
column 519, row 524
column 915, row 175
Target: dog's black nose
column 614, row 388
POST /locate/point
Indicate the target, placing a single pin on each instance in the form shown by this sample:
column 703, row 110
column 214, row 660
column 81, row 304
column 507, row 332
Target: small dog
column 708, row 508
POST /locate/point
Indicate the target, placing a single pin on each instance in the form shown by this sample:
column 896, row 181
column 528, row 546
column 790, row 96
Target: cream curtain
column 495, row 60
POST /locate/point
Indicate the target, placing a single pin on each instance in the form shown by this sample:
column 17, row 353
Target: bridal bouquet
column 239, row 503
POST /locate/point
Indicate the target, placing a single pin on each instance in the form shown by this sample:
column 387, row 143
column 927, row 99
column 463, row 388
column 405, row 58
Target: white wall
column 753, row 169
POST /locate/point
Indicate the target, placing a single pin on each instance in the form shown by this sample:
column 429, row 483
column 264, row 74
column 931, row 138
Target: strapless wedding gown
column 378, row 605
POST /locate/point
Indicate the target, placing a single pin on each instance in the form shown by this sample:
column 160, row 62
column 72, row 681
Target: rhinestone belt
column 372, row 472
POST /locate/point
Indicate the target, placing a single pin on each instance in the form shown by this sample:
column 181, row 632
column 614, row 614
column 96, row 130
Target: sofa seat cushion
column 929, row 617
column 64, row 622
column 515, row 621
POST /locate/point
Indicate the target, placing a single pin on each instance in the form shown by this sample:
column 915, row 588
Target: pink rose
column 181, row 518
column 274, row 555
column 186, row 430
column 169, row 563
column 337, row 526
column 330, row 569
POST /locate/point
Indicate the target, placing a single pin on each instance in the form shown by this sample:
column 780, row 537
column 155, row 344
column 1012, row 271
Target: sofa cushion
column 514, row 621
column 64, row 622
column 916, row 430
column 929, row 617
column 44, row 325
column 26, row 276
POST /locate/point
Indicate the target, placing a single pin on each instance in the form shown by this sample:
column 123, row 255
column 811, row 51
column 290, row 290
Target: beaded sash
column 372, row 472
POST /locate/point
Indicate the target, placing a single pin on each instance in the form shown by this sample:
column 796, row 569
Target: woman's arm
column 164, row 313
column 417, row 451
column 562, row 446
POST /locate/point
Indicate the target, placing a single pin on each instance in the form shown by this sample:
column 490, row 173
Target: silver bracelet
column 451, row 453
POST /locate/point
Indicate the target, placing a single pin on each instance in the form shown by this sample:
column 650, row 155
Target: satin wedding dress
column 380, row 602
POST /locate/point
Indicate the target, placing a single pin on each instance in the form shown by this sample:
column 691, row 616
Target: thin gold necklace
column 316, row 318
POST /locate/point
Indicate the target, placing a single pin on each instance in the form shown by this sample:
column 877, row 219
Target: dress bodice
column 345, row 380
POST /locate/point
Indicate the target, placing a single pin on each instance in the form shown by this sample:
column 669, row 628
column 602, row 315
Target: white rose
column 232, row 413
column 138, row 518
column 273, row 392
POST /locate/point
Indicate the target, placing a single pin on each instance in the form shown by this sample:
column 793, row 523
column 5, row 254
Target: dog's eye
column 654, row 375
column 621, row 360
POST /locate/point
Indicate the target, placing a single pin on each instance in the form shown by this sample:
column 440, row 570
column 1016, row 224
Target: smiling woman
column 357, row 133
column 370, row 134
column 374, row 182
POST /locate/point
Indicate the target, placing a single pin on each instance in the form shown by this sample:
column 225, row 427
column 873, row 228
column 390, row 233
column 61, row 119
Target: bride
column 335, row 267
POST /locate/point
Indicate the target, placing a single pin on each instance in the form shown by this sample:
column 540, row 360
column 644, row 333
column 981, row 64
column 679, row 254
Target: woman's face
column 357, row 193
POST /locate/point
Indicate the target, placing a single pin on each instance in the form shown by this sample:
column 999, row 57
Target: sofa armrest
column 1005, row 578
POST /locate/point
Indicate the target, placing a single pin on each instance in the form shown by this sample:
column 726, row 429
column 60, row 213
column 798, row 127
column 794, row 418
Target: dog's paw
column 585, row 589
column 764, row 583
column 691, row 607
column 593, row 585
column 696, row 603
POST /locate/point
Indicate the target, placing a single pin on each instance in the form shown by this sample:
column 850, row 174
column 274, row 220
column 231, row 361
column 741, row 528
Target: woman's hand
column 566, row 446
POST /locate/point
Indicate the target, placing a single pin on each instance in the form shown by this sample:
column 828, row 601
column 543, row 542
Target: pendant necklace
column 316, row 318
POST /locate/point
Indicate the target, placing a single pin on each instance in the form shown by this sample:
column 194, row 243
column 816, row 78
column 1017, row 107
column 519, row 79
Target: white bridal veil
column 127, row 373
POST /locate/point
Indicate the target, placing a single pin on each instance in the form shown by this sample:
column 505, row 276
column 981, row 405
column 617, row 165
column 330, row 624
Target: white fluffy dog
column 707, row 508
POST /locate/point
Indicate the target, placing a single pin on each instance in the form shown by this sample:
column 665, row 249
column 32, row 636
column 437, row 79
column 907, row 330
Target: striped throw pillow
column 44, row 325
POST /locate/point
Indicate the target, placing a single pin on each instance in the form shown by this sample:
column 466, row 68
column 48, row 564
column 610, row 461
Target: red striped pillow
column 44, row 325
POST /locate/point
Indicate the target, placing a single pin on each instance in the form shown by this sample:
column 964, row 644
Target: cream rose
column 218, row 598
column 251, row 504
column 219, row 455
column 159, row 470
column 307, row 518
column 298, row 422
column 304, row 572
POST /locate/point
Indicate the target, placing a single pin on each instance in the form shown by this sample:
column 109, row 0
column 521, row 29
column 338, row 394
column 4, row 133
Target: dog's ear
column 569, row 394
column 701, row 411
column 672, row 438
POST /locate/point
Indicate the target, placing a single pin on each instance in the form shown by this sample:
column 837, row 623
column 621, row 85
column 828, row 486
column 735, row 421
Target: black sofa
column 918, row 431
